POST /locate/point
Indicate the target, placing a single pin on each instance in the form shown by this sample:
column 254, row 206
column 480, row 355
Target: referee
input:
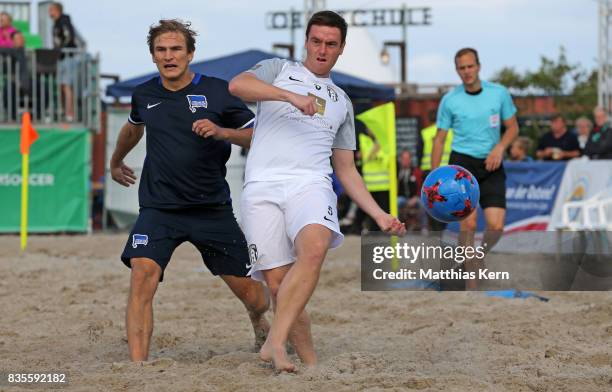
column 476, row 110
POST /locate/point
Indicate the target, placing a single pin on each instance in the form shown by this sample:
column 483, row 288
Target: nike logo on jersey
column 327, row 219
column 295, row 80
column 149, row 106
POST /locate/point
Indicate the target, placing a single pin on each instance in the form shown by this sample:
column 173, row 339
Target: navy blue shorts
column 213, row 230
column 492, row 184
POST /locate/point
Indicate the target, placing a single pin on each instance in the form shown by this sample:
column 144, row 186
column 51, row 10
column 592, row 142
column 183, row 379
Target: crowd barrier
column 31, row 80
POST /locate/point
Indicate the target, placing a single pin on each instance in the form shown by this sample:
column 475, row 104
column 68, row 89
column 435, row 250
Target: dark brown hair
column 464, row 51
column 328, row 18
column 557, row 116
column 432, row 114
column 172, row 26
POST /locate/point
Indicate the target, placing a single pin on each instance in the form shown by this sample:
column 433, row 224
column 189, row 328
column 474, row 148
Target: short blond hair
column 585, row 120
column 4, row 13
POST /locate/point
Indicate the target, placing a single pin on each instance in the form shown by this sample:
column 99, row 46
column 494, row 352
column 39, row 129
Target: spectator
column 519, row 150
column 13, row 69
column 558, row 143
column 407, row 178
column 64, row 38
column 599, row 145
column 7, row 31
column 425, row 143
column 408, row 186
column 18, row 40
column 583, row 129
column 424, row 149
column 375, row 172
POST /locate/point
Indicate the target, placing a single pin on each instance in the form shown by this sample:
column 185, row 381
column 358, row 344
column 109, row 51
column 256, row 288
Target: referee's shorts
column 492, row 183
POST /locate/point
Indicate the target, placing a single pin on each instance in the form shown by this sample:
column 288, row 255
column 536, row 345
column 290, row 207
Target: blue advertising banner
column 531, row 190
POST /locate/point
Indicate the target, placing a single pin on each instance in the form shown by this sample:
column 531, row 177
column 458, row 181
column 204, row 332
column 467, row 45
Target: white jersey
column 288, row 144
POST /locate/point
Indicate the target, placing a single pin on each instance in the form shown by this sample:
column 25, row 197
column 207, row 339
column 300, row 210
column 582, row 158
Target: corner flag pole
column 28, row 137
column 25, row 162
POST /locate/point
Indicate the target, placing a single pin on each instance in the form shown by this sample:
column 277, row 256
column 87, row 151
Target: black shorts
column 213, row 230
column 492, row 184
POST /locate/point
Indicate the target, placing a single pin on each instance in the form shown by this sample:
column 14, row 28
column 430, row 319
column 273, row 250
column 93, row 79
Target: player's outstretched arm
column 344, row 167
column 240, row 137
column 438, row 148
column 249, row 88
column 495, row 157
column 129, row 136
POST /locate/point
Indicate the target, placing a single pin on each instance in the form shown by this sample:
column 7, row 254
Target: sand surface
column 63, row 306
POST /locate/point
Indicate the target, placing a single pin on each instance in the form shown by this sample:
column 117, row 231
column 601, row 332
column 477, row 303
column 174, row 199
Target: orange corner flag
column 28, row 136
column 28, row 133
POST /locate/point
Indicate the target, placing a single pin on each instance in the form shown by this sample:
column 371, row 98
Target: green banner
column 58, row 181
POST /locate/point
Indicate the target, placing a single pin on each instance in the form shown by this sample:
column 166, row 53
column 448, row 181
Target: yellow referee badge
column 320, row 102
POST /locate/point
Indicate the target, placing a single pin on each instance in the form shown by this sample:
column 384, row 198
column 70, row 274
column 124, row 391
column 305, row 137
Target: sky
column 507, row 33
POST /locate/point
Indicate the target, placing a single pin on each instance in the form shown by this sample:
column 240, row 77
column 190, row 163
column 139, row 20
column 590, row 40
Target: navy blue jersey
column 182, row 169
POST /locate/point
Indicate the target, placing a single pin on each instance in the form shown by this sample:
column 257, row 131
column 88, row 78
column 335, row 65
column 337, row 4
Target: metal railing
column 39, row 80
column 19, row 10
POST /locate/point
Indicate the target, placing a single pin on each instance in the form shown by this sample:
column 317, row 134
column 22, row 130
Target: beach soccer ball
column 450, row 193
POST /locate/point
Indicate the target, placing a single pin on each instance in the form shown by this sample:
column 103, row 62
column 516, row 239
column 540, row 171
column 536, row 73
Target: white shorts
column 274, row 212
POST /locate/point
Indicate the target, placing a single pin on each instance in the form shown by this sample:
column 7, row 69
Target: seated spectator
column 407, row 178
column 18, row 40
column 558, row 143
column 599, row 145
column 583, row 129
column 408, row 188
column 519, row 150
column 7, row 31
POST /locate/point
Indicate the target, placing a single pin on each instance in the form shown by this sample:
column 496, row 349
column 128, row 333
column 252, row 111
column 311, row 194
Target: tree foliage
column 573, row 88
column 552, row 77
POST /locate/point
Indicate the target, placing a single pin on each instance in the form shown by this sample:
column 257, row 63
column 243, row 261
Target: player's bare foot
column 277, row 355
column 310, row 364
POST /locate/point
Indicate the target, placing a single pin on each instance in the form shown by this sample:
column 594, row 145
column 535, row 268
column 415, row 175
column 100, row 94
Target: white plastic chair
column 594, row 213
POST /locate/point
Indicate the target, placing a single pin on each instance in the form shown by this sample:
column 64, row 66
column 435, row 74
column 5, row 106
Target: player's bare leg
column 68, row 102
column 295, row 290
column 300, row 336
column 467, row 230
column 274, row 278
column 495, row 218
column 144, row 280
column 256, row 300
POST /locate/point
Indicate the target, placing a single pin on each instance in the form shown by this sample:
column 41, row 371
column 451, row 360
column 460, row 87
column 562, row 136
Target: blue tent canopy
column 229, row 66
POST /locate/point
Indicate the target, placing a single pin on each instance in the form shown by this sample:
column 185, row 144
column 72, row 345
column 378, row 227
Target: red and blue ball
column 450, row 193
